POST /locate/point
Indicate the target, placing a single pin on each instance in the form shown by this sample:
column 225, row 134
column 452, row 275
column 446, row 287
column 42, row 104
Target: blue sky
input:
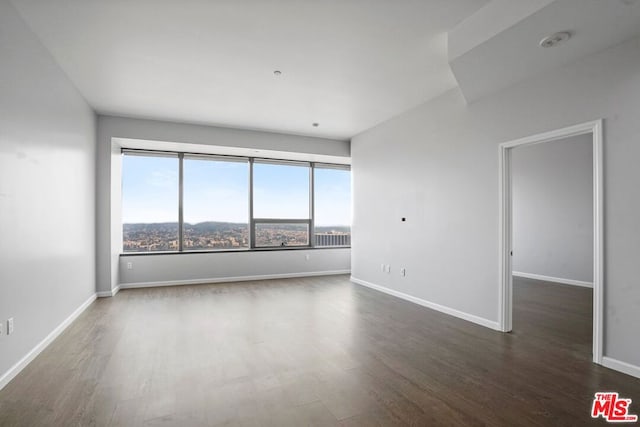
column 219, row 191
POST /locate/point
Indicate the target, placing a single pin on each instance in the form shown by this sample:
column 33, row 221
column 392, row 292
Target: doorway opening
column 593, row 129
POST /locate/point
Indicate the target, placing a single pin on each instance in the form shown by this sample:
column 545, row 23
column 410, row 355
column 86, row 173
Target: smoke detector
column 555, row 39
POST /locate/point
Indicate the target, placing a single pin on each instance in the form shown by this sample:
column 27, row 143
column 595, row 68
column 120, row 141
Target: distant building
column 327, row 239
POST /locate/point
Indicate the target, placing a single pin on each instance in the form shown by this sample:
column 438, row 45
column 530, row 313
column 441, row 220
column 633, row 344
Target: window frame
column 213, row 158
column 252, row 220
column 255, row 221
column 160, row 154
column 331, row 166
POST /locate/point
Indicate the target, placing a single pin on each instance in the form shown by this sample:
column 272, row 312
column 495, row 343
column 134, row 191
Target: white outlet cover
column 10, row 326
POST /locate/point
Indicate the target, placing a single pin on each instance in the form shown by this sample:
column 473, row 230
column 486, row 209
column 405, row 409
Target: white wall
column 437, row 165
column 212, row 267
column 552, row 189
column 47, row 186
column 190, row 266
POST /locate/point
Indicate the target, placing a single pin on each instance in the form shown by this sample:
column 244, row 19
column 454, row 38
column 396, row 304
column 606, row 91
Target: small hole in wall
column 404, row 219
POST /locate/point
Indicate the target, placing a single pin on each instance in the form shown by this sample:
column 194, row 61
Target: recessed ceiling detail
column 555, row 39
column 498, row 46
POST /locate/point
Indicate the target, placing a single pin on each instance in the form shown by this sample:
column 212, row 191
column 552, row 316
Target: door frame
column 505, row 220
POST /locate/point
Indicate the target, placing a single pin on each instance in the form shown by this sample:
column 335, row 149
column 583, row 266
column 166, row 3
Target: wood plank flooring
column 313, row 351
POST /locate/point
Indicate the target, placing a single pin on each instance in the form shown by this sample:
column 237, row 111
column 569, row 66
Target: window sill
column 226, row 251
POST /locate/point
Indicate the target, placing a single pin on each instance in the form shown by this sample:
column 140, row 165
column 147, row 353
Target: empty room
column 303, row 213
column 552, row 223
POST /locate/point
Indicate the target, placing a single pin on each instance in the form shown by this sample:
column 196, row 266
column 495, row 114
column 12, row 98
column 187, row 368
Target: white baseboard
column 107, row 294
column 22, row 363
column 553, row 279
column 624, row 367
column 441, row 308
column 230, row 279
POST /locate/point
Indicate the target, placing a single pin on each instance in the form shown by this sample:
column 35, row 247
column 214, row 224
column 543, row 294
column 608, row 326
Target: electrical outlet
column 10, row 326
column 129, row 266
column 388, row 269
column 403, row 272
column 307, row 257
column 383, row 268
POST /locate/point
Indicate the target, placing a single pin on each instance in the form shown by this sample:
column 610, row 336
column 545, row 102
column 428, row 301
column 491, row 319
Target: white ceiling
column 346, row 64
column 498, row 46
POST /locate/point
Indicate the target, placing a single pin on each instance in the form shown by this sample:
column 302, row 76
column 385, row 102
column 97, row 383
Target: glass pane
column 149, row 203
column 280, row 191
column 281, row 235
column 332, row 188
column 215, row 204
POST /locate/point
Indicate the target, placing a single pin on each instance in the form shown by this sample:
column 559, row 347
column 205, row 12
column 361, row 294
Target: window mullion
column 312, row 236
column 252, row 225
column 180, row 202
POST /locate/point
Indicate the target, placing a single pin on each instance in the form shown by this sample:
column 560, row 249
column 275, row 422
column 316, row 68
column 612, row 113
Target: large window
column 281, row 210
column 216, row 203
column 332, row 218
column 149, row 199
column 187, row 202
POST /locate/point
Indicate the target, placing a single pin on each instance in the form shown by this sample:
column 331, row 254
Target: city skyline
column 148, row 237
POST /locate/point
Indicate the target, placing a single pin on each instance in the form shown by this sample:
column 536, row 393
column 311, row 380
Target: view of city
column 157, row 237
column 268, row 235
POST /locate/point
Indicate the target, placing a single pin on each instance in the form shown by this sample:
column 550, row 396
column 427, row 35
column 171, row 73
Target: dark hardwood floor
column 547, row 314
column 313, row 351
